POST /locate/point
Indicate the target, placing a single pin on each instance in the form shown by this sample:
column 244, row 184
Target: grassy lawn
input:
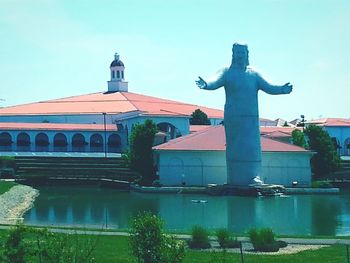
column 117, row 249
column 5, row 186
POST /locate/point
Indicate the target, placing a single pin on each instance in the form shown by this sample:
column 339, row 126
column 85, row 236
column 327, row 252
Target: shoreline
column 15, row 202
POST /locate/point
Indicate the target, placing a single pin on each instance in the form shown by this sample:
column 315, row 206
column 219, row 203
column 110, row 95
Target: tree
column 150, row 244
column 298, row 138
column 198, row 117
column 140, row 155
column 326, row 160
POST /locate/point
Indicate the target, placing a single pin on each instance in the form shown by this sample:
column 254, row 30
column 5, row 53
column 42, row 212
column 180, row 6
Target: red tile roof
column 331, row 122
column 196, row 128
column 112, row 103
column 213, row 139
column 275, row 129
column 56, row 126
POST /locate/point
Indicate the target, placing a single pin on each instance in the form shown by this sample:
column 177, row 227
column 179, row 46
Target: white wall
column 194, row 168
column 206, row 167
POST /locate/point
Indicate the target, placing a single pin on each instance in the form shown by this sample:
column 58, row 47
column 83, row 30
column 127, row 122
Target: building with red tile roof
column 199, row 159
column 92, row 117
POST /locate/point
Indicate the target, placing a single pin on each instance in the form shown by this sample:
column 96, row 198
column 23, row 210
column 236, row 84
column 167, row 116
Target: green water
column 94, row 207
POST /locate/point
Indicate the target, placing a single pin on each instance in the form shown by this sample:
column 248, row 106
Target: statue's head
column 240, row 55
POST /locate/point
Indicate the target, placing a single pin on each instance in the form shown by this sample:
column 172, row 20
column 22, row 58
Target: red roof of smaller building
column 213, row 139
column 56, row 126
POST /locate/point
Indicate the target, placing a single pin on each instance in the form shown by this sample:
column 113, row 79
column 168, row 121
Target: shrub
column 150, row 245
column 25, row 244
column 321, row 184
column 173, row 250
column 15, row 248
column 263, row 240
column 199, row 239
column 225, row 239
column 57, row 248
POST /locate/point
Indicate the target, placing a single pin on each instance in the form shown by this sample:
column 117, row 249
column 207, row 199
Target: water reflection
column 316, row 215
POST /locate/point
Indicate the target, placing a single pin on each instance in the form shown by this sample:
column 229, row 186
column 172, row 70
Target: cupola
column 117, row 82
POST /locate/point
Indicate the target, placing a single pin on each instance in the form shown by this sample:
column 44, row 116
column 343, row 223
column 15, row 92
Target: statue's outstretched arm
column 216, row 83
column 273, row 89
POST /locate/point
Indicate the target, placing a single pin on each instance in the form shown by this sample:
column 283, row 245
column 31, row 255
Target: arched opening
column 96, row 143
column 78, row 143
column 346, row 147
column 5, row 141
column 170, row 130
column 41, row 142
column 60, row 143
column 23, row 142
column 114, row 143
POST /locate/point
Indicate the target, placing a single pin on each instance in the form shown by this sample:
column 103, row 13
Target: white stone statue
column 241, row 116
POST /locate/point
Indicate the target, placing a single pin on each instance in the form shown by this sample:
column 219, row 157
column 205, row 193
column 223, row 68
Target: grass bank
column 117, row 249
column 5, row 186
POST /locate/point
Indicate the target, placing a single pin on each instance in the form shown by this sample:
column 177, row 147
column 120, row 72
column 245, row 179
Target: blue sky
column 53, row 49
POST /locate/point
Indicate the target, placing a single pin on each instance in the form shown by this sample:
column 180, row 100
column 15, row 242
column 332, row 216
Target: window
column 113, row 75
column 123, row 74
column 118, row 74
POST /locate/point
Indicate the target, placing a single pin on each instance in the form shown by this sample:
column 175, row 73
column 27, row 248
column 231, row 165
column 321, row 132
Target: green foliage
column 15, row 247
column 299, row 138
column 25, row 244
column 263, row 240
column 149, row 243
column 5, row 186
column 140, row 156
column 53, row 248
column 326, row 160
column 225, row 239
column 146, row 237
column 321, row 184
column 199, row 117
column 173, row 250
column 200, row 238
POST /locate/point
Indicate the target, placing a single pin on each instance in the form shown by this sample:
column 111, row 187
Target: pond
column 96, row 207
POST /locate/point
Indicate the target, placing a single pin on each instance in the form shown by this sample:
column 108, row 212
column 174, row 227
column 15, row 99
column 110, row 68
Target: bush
column 173, row 250
column 199, row 239
column 321, row 184
column 15, row 248
column 263, row 240
column 225, row 239
column 25, row 244
column 150, row 245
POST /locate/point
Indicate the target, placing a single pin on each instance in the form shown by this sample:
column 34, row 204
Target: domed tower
column 117, row 82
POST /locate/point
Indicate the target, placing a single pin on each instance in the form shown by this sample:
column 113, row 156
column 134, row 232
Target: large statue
column 241, row 116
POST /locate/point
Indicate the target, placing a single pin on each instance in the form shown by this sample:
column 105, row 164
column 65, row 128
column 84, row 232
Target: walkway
column 299, row 241
column 60, row 154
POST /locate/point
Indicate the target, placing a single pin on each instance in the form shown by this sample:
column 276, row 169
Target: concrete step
column 59, row 165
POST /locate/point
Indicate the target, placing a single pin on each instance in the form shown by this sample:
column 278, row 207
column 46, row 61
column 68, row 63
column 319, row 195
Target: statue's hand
column 201, row 83
column 287, row 88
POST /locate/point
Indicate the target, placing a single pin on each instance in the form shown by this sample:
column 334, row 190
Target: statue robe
column 241, row 121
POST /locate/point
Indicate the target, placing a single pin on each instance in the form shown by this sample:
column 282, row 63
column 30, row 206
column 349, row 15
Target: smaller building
column 198, row 159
